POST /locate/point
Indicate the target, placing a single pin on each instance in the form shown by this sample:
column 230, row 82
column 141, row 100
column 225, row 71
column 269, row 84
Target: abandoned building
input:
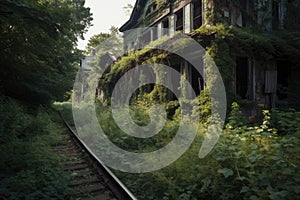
column 86, row 65
column 267, row 81
column 254, row 43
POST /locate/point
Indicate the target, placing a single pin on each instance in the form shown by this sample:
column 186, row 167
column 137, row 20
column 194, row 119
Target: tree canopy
column 38, row 47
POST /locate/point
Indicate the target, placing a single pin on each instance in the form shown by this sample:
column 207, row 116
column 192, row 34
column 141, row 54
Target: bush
column 29, row 168
column 287, row 122
column 248, row 162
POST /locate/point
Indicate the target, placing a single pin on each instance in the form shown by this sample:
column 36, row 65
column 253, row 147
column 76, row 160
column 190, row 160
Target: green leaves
column 236, row 117
column 226, row 172
column 243, row 164
column 38, row 47
column 20, row 10
column 29, row 168
column 244, row 189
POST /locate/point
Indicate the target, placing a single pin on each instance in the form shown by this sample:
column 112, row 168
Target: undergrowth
column 29, row 168
column 250, row 161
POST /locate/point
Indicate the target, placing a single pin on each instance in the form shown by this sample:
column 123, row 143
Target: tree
column 128, row 9
column 98, row 39
column 95, row 40
column 38, row 47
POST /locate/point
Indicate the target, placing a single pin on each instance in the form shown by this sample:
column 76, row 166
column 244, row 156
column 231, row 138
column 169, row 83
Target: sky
column 105, row 14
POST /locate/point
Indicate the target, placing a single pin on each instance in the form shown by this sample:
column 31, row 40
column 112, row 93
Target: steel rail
column 114, row 184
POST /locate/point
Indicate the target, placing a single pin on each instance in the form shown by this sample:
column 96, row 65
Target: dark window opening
column 244, row 11
column 148, row 88
column 175, row 84
column 197, row 14
column 242, row 73
column 148, row 11
column 179, row 20
column 151, row 9
column 197, row 81
column 165, row 26
column 275, row 14
column 282, row 80
column 226, row 3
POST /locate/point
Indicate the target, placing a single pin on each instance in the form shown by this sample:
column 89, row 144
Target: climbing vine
column 221, row 42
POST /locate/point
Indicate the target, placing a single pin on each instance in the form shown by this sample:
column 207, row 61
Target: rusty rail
column 114, row 184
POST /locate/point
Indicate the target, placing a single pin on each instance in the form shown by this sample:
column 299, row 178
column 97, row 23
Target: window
column 197, row 80
column 179, row 20
column 165, row 26
column 197, row 14
column 283, row 70
column 244, row 11
column 242, row 73
column 275, row 14
column 151, row 9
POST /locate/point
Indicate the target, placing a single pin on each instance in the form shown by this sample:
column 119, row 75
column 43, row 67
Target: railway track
column 89, row 177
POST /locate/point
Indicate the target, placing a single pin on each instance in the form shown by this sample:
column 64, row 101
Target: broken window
column 179, row 20
column 242, row 73
column 197, row 14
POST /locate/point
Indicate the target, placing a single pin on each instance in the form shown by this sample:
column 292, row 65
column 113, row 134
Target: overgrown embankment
column 29, row 167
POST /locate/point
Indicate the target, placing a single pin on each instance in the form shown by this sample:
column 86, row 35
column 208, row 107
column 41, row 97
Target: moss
column 221, row 43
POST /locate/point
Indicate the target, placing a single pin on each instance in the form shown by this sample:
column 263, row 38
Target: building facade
column 267, row 79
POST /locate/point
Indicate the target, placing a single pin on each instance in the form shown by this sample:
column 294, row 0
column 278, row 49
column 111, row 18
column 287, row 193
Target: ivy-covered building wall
column 255, row 44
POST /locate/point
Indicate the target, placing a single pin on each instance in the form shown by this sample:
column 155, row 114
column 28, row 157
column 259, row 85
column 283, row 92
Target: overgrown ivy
column 221, row 42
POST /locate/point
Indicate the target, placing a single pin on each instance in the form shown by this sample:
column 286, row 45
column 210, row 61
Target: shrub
column 29, row 168
column 248, row 162
column 286, row 121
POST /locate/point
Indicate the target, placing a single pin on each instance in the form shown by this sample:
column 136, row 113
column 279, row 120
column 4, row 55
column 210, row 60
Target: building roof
column 136, row 14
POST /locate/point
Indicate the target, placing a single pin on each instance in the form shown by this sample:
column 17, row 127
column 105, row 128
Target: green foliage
column 97, row 41
column 65, row 109
column 221, row 41
column 29, row 168
column 257, row 168
column 139, row 115
column 287, row 122
column 236, row 118
column 39, row 63
column 128, row 9
column 248, row 162
column 161, row 2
